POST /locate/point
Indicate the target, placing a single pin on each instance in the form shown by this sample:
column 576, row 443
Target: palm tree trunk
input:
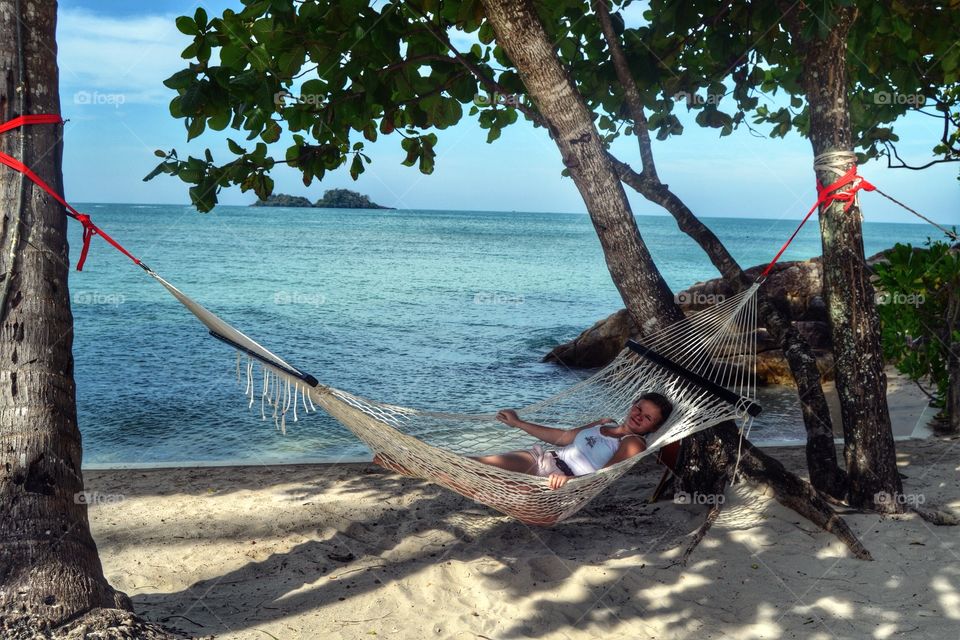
column 49, row 567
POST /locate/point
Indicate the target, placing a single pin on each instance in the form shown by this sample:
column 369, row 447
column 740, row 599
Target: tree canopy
column 334, row 76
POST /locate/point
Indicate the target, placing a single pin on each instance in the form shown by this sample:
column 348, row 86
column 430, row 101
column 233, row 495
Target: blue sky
column 114, row 56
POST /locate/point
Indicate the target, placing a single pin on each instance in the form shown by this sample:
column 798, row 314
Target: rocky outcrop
column 283, row 200
column 796, row 288
column 598, row 345
column 346, row 199
column 332, row 199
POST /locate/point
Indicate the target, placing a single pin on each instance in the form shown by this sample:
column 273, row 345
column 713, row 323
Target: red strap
column 89, row 229
column 825, row 197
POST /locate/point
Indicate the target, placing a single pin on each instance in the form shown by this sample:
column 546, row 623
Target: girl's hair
column 661, row 402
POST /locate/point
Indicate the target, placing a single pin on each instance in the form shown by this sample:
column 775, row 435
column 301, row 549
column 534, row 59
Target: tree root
column 756, row 467
column 937, row 516
column 99, row 624
column 712, row 515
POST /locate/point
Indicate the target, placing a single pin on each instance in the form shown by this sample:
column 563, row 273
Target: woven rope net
column 718, row 344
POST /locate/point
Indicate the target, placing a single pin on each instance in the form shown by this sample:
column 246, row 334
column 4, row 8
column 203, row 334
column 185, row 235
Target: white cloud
column 118, row 58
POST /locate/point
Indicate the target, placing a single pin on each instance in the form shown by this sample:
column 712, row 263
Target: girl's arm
column 629, row 447
column 551, row 435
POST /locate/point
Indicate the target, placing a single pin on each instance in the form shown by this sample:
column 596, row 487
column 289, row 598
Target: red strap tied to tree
column 89, row 229
column 825, row 197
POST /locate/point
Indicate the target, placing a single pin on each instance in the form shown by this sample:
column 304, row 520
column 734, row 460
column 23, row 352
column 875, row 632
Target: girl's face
column 644, row 417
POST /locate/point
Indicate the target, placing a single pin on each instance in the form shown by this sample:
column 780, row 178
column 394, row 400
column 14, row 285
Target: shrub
column 918, row 299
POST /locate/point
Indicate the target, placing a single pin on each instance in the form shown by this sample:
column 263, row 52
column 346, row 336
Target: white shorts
column 545, row 461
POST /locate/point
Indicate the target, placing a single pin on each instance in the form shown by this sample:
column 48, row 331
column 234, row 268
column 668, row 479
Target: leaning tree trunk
column 825, row 474
column 643, row 289
column 50, row 572
column 519, row 32
column 854, row 324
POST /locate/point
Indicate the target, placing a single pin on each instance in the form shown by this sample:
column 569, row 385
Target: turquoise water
column 434, row 309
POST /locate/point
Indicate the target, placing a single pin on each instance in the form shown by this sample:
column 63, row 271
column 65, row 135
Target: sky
column 115, row 54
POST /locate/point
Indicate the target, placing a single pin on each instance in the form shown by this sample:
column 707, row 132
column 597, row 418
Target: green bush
column 918, row 299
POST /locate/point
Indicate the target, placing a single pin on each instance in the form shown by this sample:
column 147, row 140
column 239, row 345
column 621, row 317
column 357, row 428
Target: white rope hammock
column 704, row 364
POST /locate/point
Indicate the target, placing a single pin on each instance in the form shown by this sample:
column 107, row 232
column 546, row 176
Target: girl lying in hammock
column 585, row 449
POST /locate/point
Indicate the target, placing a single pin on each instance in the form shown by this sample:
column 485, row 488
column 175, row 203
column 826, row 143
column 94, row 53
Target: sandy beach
column 354, row 551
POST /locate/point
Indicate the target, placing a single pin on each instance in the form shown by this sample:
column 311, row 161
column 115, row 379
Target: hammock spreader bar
column 305, row 377
column 709, row 386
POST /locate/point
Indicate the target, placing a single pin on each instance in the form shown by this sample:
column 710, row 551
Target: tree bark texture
column 49, row 567
column 854, row 324
column 522, row 37
column 825, row 474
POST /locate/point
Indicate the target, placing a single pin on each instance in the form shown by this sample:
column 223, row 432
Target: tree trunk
column 854, row 324
column 825, row 474
column 49, row 568
column 643, row 289
column 952, row 409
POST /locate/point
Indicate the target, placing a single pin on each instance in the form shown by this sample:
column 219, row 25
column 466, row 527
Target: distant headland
column 332, row 199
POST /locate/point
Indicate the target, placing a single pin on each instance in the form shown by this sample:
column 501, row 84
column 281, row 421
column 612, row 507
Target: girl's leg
column 519, row 461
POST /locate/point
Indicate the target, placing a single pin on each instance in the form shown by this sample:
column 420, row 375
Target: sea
column 443, row 310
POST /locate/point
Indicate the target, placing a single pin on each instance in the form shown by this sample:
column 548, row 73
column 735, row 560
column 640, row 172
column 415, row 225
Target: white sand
column 353, row 551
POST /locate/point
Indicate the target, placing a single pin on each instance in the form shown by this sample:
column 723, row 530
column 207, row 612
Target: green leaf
column 356, row 167
column 232, row 55
column 219, row 121
column 187, row 26
column 195, row 127
column 259, row 58
column 271, row 133
column 181, row 79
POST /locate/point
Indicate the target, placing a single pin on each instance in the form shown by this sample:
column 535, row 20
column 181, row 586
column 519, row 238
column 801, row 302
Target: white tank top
column 590, row 451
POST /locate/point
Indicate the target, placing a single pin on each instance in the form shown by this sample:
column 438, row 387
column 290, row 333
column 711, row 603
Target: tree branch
column 630, row 93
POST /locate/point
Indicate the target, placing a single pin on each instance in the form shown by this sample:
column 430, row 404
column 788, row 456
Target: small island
column 332, row 199
column 283, row 200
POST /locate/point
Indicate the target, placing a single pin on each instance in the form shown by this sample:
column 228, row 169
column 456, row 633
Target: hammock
column 704, row 364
